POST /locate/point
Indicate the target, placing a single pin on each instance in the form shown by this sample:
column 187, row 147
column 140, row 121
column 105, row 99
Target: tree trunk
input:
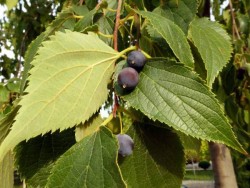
column 223, row 169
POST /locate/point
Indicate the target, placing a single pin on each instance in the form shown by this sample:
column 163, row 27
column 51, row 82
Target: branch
column 117, row 23
column 234, row 26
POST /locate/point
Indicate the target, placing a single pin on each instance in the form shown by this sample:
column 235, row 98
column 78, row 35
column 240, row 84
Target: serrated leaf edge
column 224, row 35
column 178, row 28
column 117, row 144
column 214, row 97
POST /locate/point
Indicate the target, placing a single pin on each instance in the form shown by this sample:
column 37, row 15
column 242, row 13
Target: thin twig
column 234, row 26
column 138, row 29
column 106, row 121
column 117, row 23
column 116, row 105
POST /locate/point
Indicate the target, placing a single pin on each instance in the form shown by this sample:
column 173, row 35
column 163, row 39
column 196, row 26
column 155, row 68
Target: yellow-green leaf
column 67, row 85
column 89, row 127
column 7, row 171
column 11, row 3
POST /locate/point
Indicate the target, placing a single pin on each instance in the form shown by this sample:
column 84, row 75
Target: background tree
column 233, row 84
column 71, row 69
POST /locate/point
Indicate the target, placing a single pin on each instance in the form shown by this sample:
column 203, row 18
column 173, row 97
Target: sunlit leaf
column 7, row 171
column 67, row 85
column 89, row 127
column 33, row 47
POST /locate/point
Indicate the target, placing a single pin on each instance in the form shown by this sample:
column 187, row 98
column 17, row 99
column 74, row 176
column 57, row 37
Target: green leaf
column 181, row 14
column 112, row 5
column 106, row 26
column 157, row 159
column 217, row 49
column 140, row 4
column 85, row 21
column 4, row 94
column 92, row 162
column 153, row 46
column 33, row 47
column 36, row 157
column 7, row 165
column 89, row 127
column 29, row 56
column 11, row 3
column 6, row 123
column 173, row 35
column 7, row 171
column 67, row 85
column 199, row 66
column 13, row 85
column 81, row 10
column 174, row 95
column 91, row 3
column 188, row 142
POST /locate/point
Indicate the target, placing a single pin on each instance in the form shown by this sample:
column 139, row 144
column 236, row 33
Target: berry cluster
column 128, row 78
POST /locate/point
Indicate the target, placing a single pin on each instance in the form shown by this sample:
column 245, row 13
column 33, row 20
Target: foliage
column 204, row 165
column 71, row 70
column 232, row 86
column 24, row 23
column 199, row 175
column 204, row 151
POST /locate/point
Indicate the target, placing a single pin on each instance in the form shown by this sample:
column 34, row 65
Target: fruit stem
column 120, row 120
column 131, row 48
column 117, row 23
column 111, row 10
column 128, row 17
column 146, row 54
column 78, row 17
column 127, row 50
column 106, row 121
column 104, row 35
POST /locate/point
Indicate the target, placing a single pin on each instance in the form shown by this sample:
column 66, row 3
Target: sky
column 4, row 51
column 2, row 9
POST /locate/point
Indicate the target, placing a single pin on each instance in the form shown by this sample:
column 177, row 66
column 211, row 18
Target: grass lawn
column 199, row 175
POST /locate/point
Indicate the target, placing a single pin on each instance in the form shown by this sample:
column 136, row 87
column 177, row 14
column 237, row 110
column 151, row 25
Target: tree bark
column 223, row 169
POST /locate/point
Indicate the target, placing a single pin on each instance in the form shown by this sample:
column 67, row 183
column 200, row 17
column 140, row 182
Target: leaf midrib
column 48, row 102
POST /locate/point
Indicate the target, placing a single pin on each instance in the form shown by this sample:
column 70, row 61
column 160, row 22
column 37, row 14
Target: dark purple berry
column 128, row 78
column 126, row 144
column 136, row 60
